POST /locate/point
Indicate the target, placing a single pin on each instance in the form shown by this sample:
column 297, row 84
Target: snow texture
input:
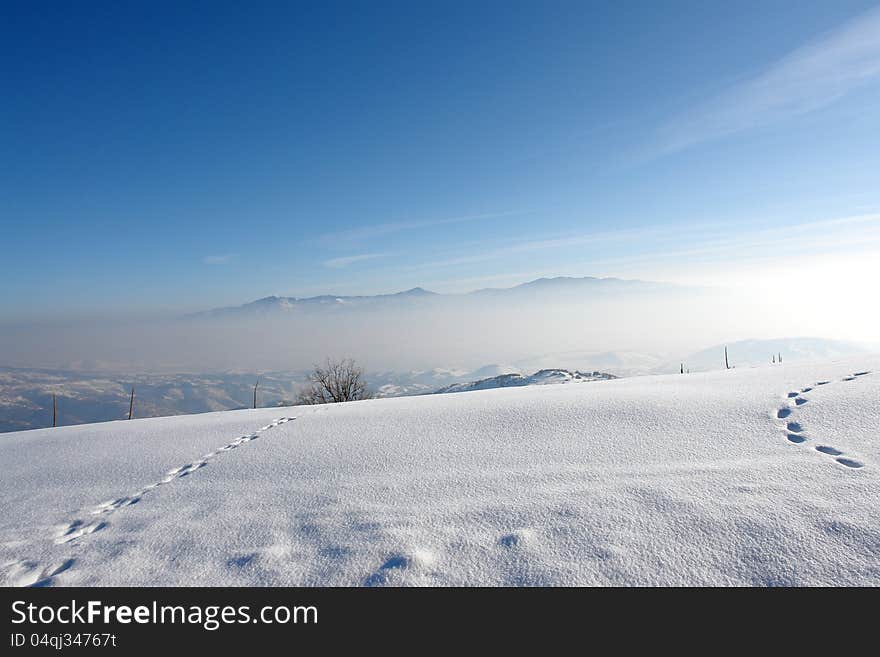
column 763, row 476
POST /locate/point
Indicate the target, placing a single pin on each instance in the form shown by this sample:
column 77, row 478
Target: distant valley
column 83, row 396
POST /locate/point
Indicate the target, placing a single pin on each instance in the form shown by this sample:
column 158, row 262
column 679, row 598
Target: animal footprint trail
column 81, row 528
column 184, row 470
column 794, row 431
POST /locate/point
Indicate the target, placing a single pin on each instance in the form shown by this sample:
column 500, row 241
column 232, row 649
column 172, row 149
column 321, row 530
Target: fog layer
column 433, row 331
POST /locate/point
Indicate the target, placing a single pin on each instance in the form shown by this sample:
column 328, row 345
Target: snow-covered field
column 729, row 477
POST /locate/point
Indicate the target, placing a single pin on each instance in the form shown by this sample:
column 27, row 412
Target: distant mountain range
column 276, row 304
column 542, row 287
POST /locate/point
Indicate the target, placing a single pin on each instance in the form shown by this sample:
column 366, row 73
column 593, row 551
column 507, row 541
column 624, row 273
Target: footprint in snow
column 112, row 505
column 516, row 538
column 30, row 574
column 416, row 560
column 183, row 470
column 794, row 429
column 47, row 575
column 509, row 540
column 78, row 529
column 382, row 575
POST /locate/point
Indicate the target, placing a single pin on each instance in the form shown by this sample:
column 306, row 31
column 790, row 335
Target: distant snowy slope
column 616, row 362
column 754, row 476
column 541, row 377
column 761, row 352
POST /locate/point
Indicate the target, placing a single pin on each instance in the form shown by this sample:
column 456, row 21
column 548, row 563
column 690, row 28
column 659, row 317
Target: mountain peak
column 416, row 292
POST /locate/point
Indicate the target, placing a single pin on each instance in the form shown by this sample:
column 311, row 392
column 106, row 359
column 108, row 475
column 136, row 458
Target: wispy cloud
column 218, row 259
column 719, row 241
column 808, row 78
column 378, row 230
column 345, row 261
column 725, row 251
column 779, row 242
column 529, row 245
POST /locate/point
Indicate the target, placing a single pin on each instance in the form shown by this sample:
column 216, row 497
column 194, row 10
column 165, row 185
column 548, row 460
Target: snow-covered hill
column 755, row 476
column 620, row 363
column 541, row 377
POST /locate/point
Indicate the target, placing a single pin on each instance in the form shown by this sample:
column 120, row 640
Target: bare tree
column 335, row 381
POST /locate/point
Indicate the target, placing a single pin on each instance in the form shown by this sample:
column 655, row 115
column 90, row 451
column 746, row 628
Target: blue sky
column 162, row 156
